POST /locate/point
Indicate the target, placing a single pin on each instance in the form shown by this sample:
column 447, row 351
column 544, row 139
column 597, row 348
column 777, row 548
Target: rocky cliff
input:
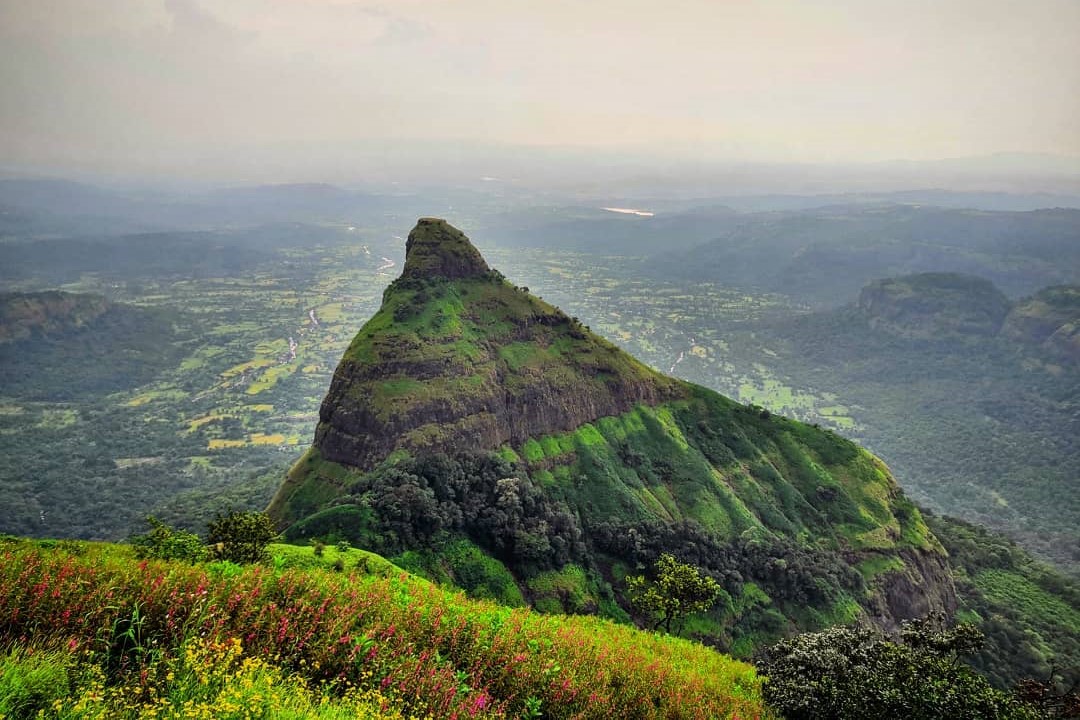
column 1049, row 320
column 457, row 358
column 934, row 305
column 600, row 463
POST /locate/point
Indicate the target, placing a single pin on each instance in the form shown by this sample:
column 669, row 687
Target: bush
column 856, row 673
column 242, row 537
column 166, row 543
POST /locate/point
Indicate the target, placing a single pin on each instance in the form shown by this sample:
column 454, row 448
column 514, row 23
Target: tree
column 242, row 537
column 165, row 543
column 678, row 590
column 856, row 673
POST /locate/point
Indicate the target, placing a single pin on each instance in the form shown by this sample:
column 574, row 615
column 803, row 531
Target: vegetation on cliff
column 480, row 436
column 1029, row 612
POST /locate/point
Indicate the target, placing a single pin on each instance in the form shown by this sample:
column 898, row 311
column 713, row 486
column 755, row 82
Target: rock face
column 923, row 587
column 437, row 249
column 1049, row 320
column 934, row 305
column 459, row 360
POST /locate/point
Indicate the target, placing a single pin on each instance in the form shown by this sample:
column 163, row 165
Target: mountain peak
column 436, row 248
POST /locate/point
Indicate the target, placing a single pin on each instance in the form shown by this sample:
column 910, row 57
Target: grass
column 1013, row 590
column 111, row 636
column 876, row 565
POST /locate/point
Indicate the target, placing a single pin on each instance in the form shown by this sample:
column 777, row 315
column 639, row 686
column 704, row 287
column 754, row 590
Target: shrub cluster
column 858, row 674
column 419, row 501
column 783, row 568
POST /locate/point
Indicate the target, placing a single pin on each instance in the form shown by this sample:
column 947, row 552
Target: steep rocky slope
column 595, row 465
column 934, row 305
column 1049, row 320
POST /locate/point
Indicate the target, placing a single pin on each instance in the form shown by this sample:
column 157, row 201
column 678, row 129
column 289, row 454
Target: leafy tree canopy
column 856, row 673
column 166, row 543
column 677, row 591
column 242, row 537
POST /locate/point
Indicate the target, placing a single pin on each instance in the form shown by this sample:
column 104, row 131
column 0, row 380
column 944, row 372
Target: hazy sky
column 293, row 88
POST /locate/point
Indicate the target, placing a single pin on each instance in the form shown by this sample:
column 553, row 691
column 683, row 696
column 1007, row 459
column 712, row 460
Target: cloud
column 162, row 82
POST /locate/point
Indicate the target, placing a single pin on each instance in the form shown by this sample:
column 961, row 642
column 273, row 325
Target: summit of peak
column 436, row 248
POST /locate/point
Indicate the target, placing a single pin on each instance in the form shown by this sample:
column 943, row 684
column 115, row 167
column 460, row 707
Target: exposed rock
column 1049, row 320
column 437, row 249
column 934, row 305
column 924, row 586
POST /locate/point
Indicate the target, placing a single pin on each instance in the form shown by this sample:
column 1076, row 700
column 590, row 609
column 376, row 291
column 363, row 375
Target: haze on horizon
column 289, row 90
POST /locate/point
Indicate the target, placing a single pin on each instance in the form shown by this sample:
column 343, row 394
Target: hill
column 934, row 305
column 825, row 255
column 63, row 346
column 480, row 435
column 1048, row 321
column 88, row 630
column 971, row 399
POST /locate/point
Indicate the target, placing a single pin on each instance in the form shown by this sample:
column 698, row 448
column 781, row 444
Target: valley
column 253, row 349
column 233, row 403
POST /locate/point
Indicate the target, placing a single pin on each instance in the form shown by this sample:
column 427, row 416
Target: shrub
column 242, row 537
column 856, row 673
column 165, row 543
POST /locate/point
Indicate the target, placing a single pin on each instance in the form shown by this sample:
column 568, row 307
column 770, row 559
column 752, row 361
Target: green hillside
column 478, row 433
column 88, row 631
column 973, row 404
column 1029, row 613
column 65, row 346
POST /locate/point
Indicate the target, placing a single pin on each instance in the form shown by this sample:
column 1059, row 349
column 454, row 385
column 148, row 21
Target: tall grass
column 419, row 649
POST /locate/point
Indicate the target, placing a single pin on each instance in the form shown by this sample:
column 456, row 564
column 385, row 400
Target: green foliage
column 416, row 503
column 255, row 640
column 570, row 590
column 346, row 523
column 480, row 575
column 241, row 537
column 676, row 590
column 857, row 674
column 1027, row 610
column 165, row 543
column 31, row 680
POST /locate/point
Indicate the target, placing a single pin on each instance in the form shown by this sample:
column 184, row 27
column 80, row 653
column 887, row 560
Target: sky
column 302, row 89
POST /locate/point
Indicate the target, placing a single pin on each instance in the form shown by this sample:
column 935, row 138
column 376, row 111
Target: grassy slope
column 438, row 350
column 736, row 471
column 1029, row 612
column 451, row 345
column 360, row 640
column 731, row 469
